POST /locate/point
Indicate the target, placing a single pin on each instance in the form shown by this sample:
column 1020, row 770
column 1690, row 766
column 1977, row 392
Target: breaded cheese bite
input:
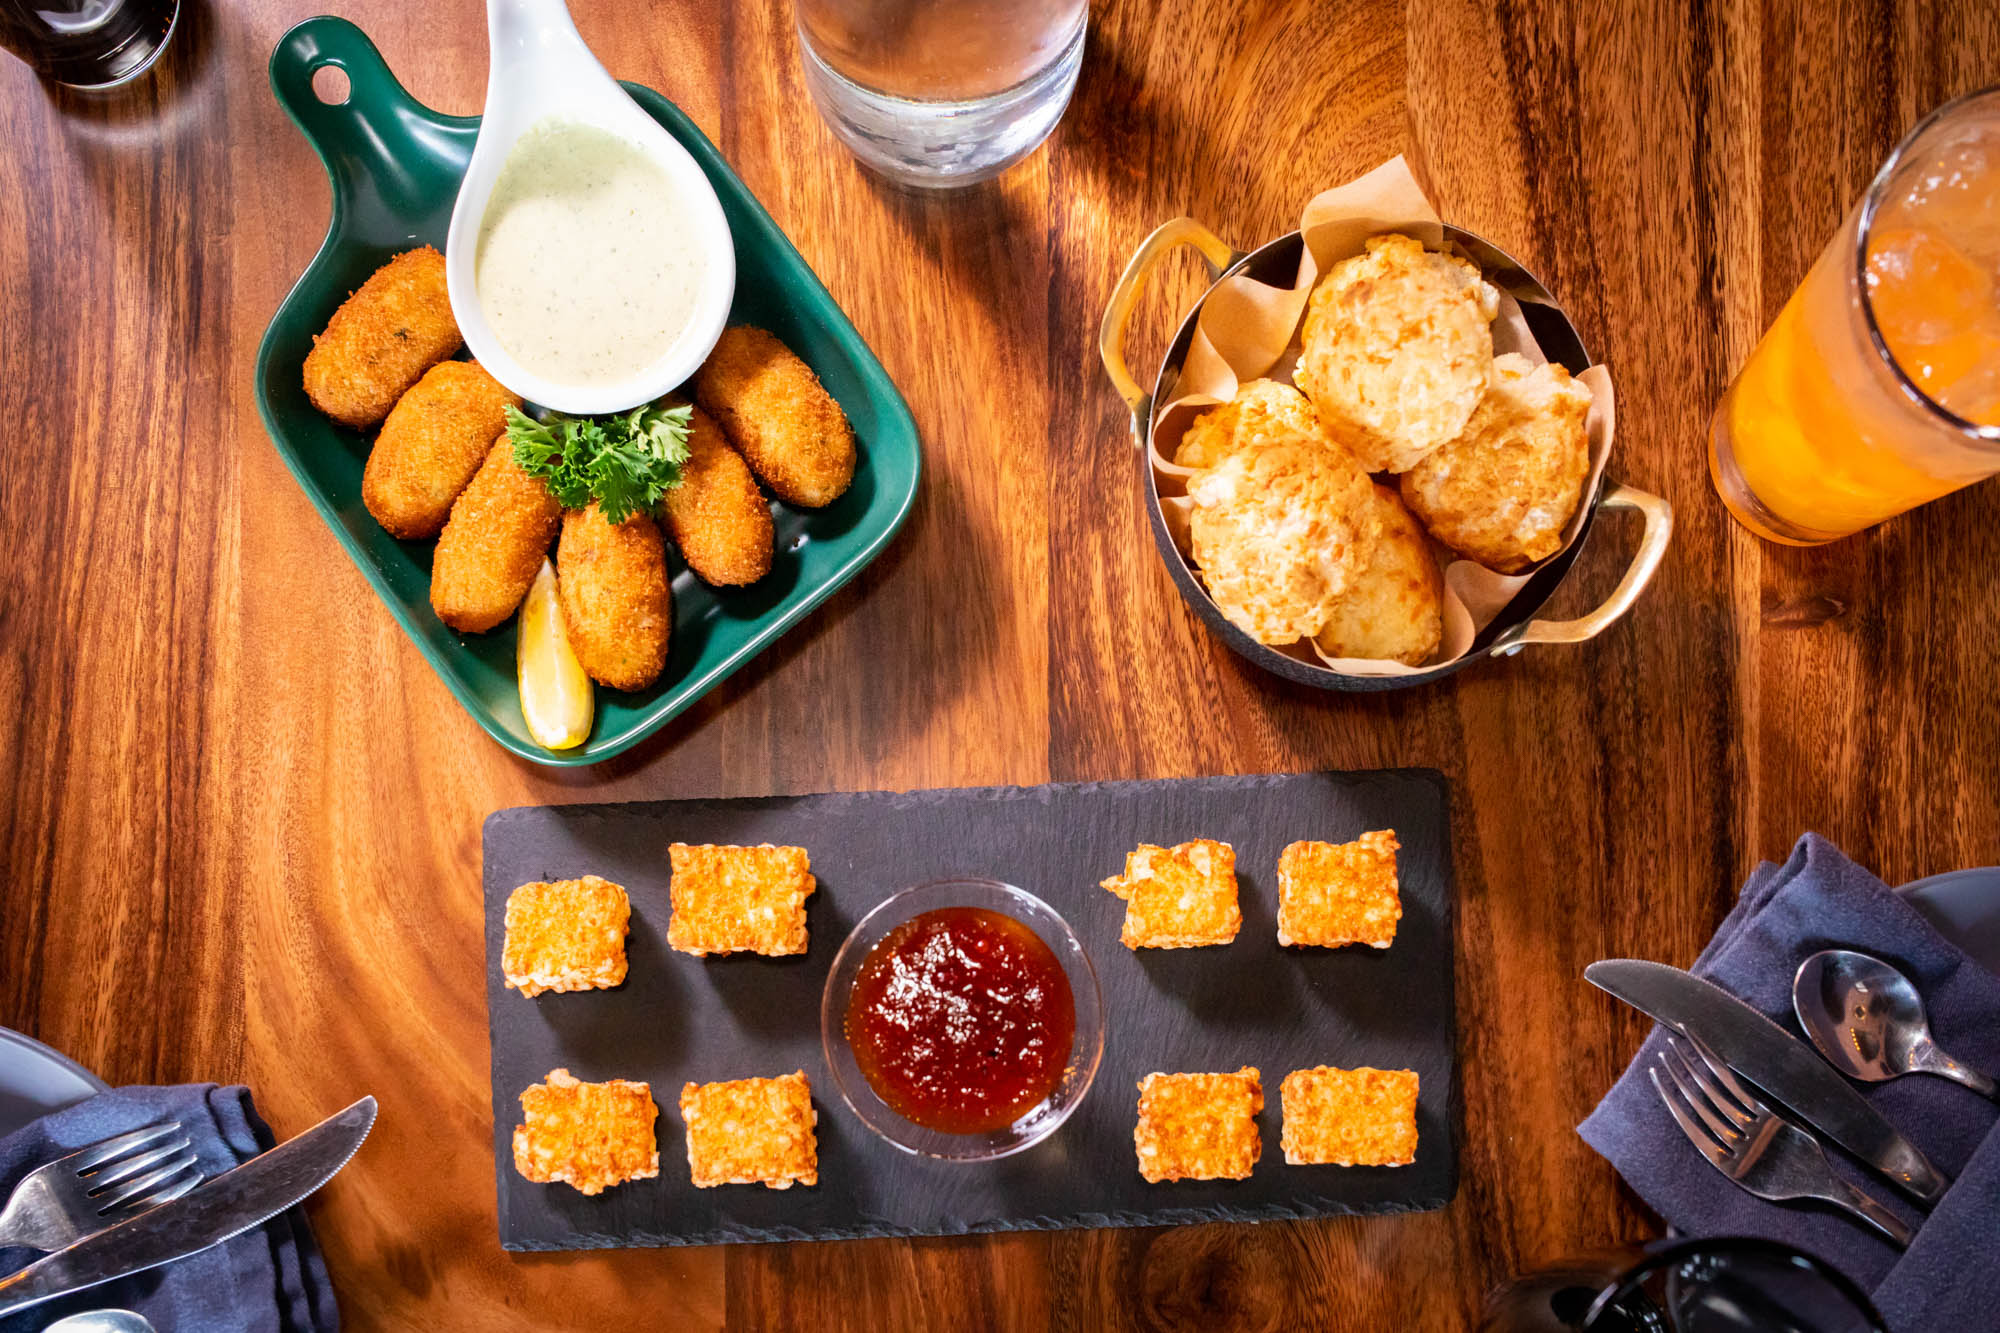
column 1396, row 349
column 566, row 935
column 1262, row 411
column 587, row 1135
column 616, row 601
column 752, row 1131
column 501, row 526
column 789, row 429
column 1502, row 492
column 717, row 516
column 386, row 334
column 1330, row 894
column 1394, row 609
column 1280, row 531
column 739, row 899
column 1178, row 897
column 1349, row 1117
column 1199, row 1126
column 433, row 442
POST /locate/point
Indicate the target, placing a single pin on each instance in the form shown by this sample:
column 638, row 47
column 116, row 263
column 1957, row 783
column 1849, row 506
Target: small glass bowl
column 1086, row 1048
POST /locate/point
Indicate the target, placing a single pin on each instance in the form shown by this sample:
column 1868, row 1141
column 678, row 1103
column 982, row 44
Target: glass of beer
column 89, row 44
column 1878, row 386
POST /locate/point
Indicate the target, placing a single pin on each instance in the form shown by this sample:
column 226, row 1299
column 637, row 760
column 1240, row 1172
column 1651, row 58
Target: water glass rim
column 1871, row 202
column 1660, row 1258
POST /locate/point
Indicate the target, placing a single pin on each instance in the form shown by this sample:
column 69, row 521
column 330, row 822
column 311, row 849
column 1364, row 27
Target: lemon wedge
column 556, row 696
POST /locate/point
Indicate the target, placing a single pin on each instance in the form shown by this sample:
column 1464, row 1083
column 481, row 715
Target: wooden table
column 239, row 822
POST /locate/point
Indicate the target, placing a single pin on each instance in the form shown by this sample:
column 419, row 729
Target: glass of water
column 941, row 92
column 88, row 43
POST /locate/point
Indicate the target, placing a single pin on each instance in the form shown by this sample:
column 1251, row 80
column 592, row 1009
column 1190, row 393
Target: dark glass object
column 1692, row 1286
column 87, row 43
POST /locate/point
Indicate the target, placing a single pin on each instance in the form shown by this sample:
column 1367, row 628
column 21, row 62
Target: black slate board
column 679, row 1019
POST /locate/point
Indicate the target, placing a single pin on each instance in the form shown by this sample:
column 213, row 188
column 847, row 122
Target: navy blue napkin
column 1820, row 900
column 271, row 1277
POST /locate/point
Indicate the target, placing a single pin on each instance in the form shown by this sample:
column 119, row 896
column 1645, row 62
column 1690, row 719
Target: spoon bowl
column 542, row 72
column 1867, row 1019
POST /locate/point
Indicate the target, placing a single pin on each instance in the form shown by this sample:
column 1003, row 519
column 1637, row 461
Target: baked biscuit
column 1280, row 531
column 1261, row 412
column 1350, row 1117
column 1396, row 349
column 565, row 936
column 588, row 1135
column 1178, row 897
column 1502, row 492
column 1199, row 1126
column 1395, row 609
column 752, row 1130
column 739, row 899
column 1330, row 895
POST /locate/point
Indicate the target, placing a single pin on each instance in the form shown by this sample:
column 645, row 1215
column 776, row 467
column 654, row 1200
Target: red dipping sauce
column 961, row 1019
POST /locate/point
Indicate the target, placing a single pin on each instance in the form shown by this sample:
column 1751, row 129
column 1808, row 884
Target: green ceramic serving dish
column 395, row 166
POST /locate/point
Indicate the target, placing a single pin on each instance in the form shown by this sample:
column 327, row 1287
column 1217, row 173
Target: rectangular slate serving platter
column 682, row 1019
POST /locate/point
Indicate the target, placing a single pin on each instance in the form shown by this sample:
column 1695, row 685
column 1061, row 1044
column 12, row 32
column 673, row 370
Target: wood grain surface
column 239, row 817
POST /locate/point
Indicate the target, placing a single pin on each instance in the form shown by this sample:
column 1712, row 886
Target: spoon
column 540, row 70
column 1868, row 1020
column 102, row 1321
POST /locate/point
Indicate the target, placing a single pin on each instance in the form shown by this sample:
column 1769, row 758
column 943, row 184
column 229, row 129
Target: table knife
column 229, row 1205
column 1778, row 1063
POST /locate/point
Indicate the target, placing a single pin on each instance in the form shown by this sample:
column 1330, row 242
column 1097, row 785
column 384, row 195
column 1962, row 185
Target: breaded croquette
column 587, row 1135
column 1349, row 1117
column 388, row 333
column 615, row 597
column 1395, row 607
column 492, row 546
column 1261, row 411
column 789, row 429
column 1502, row 492
column 1199, row 1126
column 1330, row 894
column 1396, row 349
column 432, row 443
column 717, row 516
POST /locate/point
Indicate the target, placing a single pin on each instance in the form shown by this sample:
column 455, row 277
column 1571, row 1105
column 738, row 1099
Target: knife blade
column 1777, row 1062
column 229, row 1205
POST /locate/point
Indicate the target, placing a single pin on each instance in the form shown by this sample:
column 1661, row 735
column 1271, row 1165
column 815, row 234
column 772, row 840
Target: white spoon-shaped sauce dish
column 590, row 266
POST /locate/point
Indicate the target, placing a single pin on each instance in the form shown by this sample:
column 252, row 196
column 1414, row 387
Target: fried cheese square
column 1350, row 1117
column 752, row 1130
column 1199, row 1126
column 588, row 1135
column 1332, row 894
column 566, row 935
column 1178, row 897
column 739, row 899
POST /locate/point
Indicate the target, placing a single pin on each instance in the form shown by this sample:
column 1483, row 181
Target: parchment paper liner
column 1249, row 330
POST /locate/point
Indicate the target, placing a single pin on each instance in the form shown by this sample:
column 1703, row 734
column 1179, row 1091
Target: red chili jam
column 962, row 1020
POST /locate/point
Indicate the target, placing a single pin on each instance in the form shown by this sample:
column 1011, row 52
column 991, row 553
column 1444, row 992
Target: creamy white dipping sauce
column 587, row 266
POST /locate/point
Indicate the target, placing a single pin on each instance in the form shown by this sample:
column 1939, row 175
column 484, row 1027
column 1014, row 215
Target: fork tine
column 1728, row 1077
column 97, row 1154
column 1678, row 1071
column 127, row 1167
column 1700, row 1069
column 146, row 1184
column 1702, row 1142
column 174, row 1191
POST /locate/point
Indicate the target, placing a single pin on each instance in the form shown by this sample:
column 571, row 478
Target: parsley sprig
column 626, row 462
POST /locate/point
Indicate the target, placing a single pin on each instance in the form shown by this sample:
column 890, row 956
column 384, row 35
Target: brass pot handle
column 1659, row 516
column 1118, row 310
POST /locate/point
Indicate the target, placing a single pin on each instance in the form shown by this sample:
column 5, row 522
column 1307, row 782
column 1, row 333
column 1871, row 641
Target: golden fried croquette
column 1349, row 1117
column 1199, row 1126
column 1502, row 492
column 1395, row 607
column 1280, row 531
column 789, row 429
column 717, row 516
column 1396, row 349
column 493, row 543
column 388, row 333
column 1262, row 410
column 432, row 443
column 615, row 597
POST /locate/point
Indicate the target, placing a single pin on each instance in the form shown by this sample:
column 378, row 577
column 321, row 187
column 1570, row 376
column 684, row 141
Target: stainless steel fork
column 89, row 1190
column 1753, row 1145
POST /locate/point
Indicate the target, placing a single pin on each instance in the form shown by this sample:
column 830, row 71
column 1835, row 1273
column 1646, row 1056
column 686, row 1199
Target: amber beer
column 1878, row 386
